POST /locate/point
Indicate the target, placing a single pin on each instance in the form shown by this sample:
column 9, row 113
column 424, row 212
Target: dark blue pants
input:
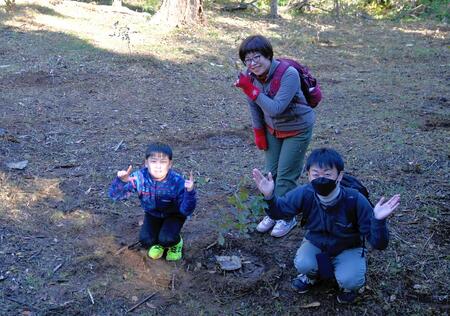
column 161, row 231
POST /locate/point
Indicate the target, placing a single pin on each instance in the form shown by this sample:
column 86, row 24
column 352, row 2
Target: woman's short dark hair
column 325, row 158
column 158, row 148
column 253, row 44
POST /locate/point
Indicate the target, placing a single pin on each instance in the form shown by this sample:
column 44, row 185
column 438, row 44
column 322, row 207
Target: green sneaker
column 175, row 252
column 156, row 251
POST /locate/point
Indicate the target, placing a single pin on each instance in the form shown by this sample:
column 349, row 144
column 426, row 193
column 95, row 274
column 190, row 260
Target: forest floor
column 84, row 88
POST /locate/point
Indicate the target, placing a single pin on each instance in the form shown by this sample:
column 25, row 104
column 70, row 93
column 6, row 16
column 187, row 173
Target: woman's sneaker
column 283, row 227
column 265, row 225
column 156, row 251
column 175, row 252
column 302, row 283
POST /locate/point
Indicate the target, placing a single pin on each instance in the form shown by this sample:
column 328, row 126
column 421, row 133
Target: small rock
column 229, row 263
column 20, row 165
column 3, row 132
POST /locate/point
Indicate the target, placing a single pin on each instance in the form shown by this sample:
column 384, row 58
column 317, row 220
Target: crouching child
column 338, row 222
column 166, row 197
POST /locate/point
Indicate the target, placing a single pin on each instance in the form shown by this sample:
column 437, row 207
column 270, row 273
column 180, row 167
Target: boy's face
column 158, row 165
column 326, row 172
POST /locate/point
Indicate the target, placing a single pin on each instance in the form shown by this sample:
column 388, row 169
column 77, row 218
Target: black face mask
column 323, row 186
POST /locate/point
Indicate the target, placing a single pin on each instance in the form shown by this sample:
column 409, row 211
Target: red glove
column 247, row 86
column 260, row 138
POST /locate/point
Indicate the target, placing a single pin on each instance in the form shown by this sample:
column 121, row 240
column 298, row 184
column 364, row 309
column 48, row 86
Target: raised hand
column 244, row 82
column 189, row 184
column 384, row 209
column 265, row 185
column 125, row 175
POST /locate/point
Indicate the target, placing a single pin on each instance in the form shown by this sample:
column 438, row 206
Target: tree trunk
column 274, row 9
column 337, row 10
column 179, row 12
column 117, row 3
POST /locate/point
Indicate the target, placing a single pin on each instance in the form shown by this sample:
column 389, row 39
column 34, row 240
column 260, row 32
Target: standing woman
column 282, row 125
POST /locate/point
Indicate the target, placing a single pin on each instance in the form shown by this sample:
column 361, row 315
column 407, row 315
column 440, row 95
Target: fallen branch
column 58, row 267
column 410, row 11
column 90, row 296
column 298, row 5
column 22, row 303
column 211, row 245
column 428, row 240
column 240, row 6
column 173, row 282
column 133, row 246
column 118, row 145
column 141, row 302
column 34, row 255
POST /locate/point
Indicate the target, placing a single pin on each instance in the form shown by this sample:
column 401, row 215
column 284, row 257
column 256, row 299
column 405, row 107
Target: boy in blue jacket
column 166, row 198
column 338, row 221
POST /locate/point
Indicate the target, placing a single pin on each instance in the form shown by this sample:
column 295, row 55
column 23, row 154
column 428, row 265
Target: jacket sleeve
column 374, row 230
column 120, row 190
column 186, row 200
column 287, row 206
column 256, row 114
column 289, row 86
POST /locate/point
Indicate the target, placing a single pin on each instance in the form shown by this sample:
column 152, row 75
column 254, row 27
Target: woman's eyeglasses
column 253, row 59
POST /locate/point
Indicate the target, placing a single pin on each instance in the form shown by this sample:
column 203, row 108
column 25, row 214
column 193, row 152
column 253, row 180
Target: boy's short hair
column 158, row 148
column 253, row 44
column 325, row 157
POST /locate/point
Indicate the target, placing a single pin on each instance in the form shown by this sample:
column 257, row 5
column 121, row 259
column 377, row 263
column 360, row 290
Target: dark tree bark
column 337, row 10
column 179, row 12
column 274, row 9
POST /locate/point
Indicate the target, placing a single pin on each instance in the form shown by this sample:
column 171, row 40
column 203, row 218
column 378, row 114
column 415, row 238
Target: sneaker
column 283, row 227
column 265, row 225
column 347, row 297
column 302, row 283
column 175, row 252
column 156, row 251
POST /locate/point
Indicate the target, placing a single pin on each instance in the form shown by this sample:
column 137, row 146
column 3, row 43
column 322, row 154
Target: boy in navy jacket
column 166, row 198
column 339, row 220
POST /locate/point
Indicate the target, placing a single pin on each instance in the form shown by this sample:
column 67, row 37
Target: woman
column 282, row 124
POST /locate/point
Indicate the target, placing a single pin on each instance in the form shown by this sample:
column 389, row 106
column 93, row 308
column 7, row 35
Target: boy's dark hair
column 253, row 44
column 325, row 157
column 158, row 148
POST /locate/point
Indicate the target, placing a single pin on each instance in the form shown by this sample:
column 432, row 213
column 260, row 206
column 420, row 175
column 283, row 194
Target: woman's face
column 257, row 63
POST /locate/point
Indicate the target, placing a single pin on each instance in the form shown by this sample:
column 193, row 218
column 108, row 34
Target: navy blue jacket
column 158, row 198
column 334, row 228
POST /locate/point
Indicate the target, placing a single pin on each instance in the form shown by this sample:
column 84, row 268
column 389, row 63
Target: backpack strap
column 276, row 78
column 352, row 198
column 308, row 204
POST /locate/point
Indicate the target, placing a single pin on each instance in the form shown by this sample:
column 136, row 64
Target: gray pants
column 349, row 267
column 284, row 159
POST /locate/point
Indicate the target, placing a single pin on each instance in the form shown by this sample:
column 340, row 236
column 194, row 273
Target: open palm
column 383, row 210
column 189, row 183
column 265, row 185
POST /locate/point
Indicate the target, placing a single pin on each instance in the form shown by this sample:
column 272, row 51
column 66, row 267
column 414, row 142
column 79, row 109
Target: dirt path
column 79, row 101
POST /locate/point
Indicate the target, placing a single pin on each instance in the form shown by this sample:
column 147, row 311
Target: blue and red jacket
column 158, row 198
